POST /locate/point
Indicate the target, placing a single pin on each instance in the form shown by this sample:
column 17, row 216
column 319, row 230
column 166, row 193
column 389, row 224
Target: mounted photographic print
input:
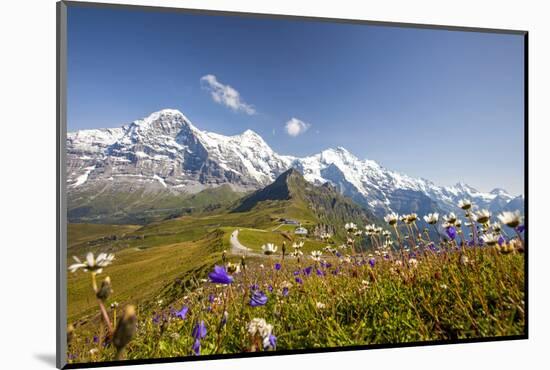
column 235, row 185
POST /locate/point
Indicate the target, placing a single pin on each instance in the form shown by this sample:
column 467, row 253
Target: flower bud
column 70, row 333
column 105, row 290
column 125, row 330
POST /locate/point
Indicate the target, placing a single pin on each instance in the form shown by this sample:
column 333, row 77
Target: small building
column 300, row 231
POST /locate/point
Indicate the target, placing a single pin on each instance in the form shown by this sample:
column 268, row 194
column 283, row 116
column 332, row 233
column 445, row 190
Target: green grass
column 254, row 239
column 440, row 299
column 139, row 206
column 139, row 274
column 82, row 233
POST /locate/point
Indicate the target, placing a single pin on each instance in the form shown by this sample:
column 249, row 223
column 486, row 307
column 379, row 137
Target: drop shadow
column 47, row 358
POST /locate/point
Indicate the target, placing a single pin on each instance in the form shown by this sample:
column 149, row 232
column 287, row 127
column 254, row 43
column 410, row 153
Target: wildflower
column 269, row 248
column 432, row 218
column 307, row 270
column 320, row 305
column 156, row 319
column 125, row 330
column 270, row 342
column 497, row 228
column 196, row 347
column 220, row 276
column 350, row 227
column 258, row 298
column 482, row 216
column 443, row 286
column 298, row 245
column 490, row 239
column 316, row 255
column 413, row 217
column 372, row 261
column 451, row 232
column 450, row 218
column 501, row 240
column 464, row 260
column 233, row 268
column 259, row 327
column 277, row 266
column 370, row 230
column 224, row 318
column 319, row 272
column 413, row 262
column 510, row 219
column 297, row 253
column 94, row 351
column 182, row 313
column 94, row 265
column 285, row 291
column 465, row 204
column 199, row 331
column 299, row 280
column 391, row 218
column 520, row 228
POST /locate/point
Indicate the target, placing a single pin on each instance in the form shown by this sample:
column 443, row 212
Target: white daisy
column 391, row 218
column 92, row 264
column 431, row 218
column 269, row 248
column 510, row 219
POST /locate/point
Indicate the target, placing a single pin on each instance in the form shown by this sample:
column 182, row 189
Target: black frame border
column 61, row 222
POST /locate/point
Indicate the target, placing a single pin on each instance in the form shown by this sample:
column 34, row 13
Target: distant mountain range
column 164, row 154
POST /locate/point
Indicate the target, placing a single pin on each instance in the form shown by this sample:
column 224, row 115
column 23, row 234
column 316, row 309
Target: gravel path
column 238, row 248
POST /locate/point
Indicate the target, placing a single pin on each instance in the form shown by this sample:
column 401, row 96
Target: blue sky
column 443, row 105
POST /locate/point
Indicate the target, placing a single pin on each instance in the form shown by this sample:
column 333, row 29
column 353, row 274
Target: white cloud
column 296, row 127
column 226, row 95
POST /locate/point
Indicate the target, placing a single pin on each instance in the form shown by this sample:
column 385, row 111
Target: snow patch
column 84, row 177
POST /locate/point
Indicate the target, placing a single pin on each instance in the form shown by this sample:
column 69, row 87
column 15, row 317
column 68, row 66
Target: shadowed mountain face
column 164, row 156
column 278, row 190
column 323, row 203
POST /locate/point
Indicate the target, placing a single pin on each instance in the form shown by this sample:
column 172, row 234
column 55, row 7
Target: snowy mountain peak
column 166, row 152
column 463, row 187
column 165, row 121
column 499, row 191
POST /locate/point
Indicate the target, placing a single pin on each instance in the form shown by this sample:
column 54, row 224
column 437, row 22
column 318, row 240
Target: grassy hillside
column 139, row 274
column 254, row 239
column 140, row 206
column 305, row 202
column 440, row 297
column 84, row 233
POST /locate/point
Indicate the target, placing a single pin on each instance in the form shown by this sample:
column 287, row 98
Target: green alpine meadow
column 240, row 279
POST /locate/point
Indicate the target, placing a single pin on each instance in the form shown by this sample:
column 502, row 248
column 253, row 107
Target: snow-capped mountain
column 166, row 152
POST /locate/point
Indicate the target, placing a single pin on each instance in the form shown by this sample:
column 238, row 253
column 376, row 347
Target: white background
column 27, row 207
